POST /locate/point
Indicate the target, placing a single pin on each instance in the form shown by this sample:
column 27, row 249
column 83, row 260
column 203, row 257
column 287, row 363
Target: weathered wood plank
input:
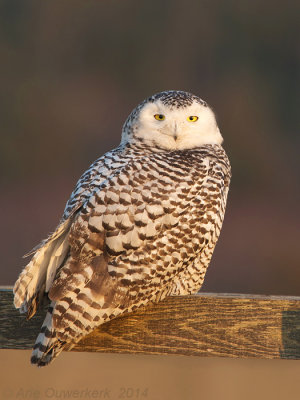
column 201, row 325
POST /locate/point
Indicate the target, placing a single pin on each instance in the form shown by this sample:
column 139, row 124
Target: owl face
column 174, row 121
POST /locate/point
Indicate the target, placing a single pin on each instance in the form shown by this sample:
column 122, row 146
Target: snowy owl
column 141, row 224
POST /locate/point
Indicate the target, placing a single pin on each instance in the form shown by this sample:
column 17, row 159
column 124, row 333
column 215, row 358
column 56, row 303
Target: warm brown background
column 70, row 73
column 166, row 378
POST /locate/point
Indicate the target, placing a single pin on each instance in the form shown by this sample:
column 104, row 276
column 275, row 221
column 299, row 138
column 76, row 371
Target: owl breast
column 157, row 221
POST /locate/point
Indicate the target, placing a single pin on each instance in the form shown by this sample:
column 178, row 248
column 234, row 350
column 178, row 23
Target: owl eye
column 159, row 117
column 192, row 118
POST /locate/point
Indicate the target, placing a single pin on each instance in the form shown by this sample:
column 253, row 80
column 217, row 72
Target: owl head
column 172, row 120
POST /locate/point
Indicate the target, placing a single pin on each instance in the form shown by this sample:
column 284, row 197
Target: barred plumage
column 141, row 224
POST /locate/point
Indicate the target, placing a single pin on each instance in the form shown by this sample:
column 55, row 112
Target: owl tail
column 47, row 347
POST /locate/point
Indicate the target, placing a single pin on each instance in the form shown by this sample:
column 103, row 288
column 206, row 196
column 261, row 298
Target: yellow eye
column 192, row 118
column 159, row 117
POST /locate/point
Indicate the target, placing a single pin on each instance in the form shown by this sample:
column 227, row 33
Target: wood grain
column 201, row 325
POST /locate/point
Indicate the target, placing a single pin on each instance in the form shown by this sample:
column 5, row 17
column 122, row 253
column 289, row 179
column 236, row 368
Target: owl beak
column 175, row 131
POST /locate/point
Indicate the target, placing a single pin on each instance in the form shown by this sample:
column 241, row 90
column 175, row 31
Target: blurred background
column 70, row 74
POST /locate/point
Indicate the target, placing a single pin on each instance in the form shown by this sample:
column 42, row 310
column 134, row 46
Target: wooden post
column 226, row 325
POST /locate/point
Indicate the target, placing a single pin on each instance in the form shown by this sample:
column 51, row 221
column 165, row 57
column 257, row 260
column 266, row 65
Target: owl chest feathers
column 163, row 205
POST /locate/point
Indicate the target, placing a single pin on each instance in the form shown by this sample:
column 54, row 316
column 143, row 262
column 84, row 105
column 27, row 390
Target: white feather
column 59, row 253
column 33, row 278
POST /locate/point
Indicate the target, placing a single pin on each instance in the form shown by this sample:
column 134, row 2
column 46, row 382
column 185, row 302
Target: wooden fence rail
column 226, row 325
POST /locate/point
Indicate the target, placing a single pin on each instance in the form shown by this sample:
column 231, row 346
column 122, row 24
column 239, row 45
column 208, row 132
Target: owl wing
column 134, row 213
column 37, row 277
column 93, row 177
